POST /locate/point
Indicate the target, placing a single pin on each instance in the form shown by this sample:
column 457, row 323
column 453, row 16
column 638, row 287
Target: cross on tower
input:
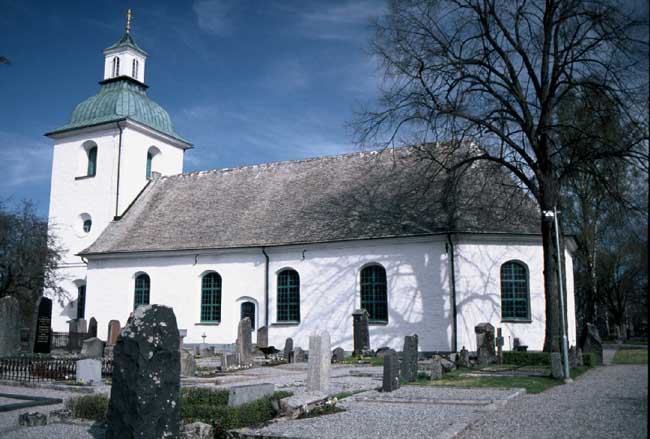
column 128, row 21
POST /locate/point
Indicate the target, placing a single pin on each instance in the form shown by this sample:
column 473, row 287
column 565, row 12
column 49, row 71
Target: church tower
column 115, row 143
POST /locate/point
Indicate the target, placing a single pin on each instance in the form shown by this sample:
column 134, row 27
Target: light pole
column 565, row 342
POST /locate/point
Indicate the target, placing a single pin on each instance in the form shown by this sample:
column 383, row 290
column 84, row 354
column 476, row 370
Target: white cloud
column 214, row 15
column 24, row 159
column 285, row 76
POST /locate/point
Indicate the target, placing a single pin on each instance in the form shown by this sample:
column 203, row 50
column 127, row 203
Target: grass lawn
column 631, row 356
column 531, row 384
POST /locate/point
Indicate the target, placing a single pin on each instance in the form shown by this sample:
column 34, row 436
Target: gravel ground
column 606, row 402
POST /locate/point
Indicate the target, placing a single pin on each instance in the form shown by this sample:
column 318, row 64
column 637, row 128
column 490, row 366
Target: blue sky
column 246, row 82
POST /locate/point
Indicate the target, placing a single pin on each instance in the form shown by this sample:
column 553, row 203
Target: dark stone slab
column 338, row 355
column 146, row 377
column 92, row 327
column 361, row 332
column 245, row 340
column 113, row 332
column 288, row 348
column 391, row 371
column 485, row 343
column 43, row 326
column 409, row 367
column 9, row 326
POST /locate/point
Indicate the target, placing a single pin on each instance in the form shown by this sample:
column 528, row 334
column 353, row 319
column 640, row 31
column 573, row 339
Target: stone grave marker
column 188, row 363
column 463, row 358
column 593, row 343
column 499, row 342
column 92, row 327
column 244, row 340
column 485, row 343
column 361, row 332
column 146, row 377
column 436, row 368
column 113, row 332
column 338, row 355
column 288, row 349
column 89, row 371
column 299, row 355
column 572, row 357
column 43, row 326
column 409, row 366
column 92, row 348
column 182, row 333
column 82, row 326
column 9, row 326
column 391, row 371
column 263, row 337
column 238, row 395
column 556, row 365
column 318, row 372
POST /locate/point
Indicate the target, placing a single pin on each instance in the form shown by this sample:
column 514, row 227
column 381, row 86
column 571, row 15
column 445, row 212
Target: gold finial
column 128, row 21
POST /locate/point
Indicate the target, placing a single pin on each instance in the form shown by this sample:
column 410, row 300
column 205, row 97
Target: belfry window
column 134, row 72
column 374, row 293
column 211, row 298
column 141, row 293
column 92, row 162
column 149, row 160
column 116, row 66
column 288, row 296
column 88, row 223
column 515, row 295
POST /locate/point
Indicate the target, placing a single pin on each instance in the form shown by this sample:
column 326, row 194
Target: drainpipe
column 266, row 289
column 119, row 158
column 452, row 287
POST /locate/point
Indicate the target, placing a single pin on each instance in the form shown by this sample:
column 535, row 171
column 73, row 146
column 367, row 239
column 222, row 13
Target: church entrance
column 248, row 310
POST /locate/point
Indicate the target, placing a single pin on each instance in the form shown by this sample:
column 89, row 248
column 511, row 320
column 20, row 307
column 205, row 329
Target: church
column 296, row 246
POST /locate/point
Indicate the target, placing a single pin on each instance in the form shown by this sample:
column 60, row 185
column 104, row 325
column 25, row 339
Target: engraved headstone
column 318, row 372
column 113, row 331
column 436, row 368
column 146, row 377
column 89, row 371
column 288, row 348
column 409, row 367
column 361, row 332
column 244, row 340
column 92, row 327
column 556, row 365
column 391, row 371
column 263, row 337
column 298, row 355
column 92, row 348
column 188, row 363
column 9, row 326
column 485, row 343
column 338, row 355
column 43, row 326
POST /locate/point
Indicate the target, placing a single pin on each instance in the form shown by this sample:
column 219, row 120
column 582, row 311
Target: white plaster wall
column 571, row 303
column 126, row 63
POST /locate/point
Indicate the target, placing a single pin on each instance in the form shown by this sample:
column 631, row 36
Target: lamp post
column 565, row 342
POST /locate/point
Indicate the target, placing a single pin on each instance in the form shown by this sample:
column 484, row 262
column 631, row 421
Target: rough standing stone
column 361, row 332
column 34, row 419
column 436, row 368
column 338, row 355
column 113, row 332
column 238, row 395
column 298, row 355
column 188, row 363
column 92, row 348
column 43, row 326
column 391, row 371
column 245, row 340
column 288, row 348
column 409, row 367
column 318, row 373
column 463, row 358
column 593, row 343
column 263, row 337
column 197, row 430
column 485, row 343
column 89, row 371
column 556, row 365
column 92, row 327
column 9, row 326
column 146, row 377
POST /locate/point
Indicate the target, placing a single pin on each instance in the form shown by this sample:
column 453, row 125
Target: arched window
column 88, row 223
column 116, row 66
column 142, row 285
column 248, row 310
column 149, row 159
column 374, row 297
column 81, row 301
column 515, row 295
column 288, row 296
column 211, row 298
column 92, row 162
column 134, row 70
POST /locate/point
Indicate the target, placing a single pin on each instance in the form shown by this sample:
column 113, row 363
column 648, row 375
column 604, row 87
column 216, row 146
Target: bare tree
column 492, row 74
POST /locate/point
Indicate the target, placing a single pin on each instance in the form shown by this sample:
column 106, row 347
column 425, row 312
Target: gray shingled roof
column 393, row 193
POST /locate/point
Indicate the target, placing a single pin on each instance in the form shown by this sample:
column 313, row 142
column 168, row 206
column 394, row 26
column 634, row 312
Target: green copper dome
column 118, row 99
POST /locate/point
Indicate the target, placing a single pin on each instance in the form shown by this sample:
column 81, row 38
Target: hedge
column 93, row 407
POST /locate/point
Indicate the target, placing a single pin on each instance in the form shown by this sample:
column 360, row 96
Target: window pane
column 92, row 161
column 81, row 302
column 288, row 309
column 514, row 291
column 141, row 296
column 374, row 297
column 211, row 298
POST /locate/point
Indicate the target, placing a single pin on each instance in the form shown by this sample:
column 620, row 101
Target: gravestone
column 188, row 363
column 244, row 340
column 593, row 343
column 89, row 371
column 463, row 358
column 263, row 337
column 238, row 395
column 92, row 348
column 499, row 342
column 182, row 333
column 338, row 355
column 556, row 365
column 485, row 343
column 579, row 360
column 298, row 355
column 146, row 377
column 409, row 367
column 288, row 348
column 82, row 326
column 113, row 332
column 205, row 350
column 436, row 368
column 318, row 372
column 572, row 357
column 43, row 326
column 9, row 326
column 92, row 327
column 391, row 371
column 361, row 332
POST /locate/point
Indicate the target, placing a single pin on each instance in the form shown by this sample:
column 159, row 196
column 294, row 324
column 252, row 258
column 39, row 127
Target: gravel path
column 606, row 402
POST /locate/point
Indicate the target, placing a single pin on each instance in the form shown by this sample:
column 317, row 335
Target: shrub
column 589, row 359
column 88, row 406
column 527, row 358
column 199, row 395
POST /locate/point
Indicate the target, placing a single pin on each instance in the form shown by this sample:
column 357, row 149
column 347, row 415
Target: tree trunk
column 551, row 287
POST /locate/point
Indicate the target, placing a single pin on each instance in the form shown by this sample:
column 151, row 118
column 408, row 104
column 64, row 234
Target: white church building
column 296, row 246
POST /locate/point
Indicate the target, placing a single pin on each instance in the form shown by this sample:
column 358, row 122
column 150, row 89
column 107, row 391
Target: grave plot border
column 33, row 401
